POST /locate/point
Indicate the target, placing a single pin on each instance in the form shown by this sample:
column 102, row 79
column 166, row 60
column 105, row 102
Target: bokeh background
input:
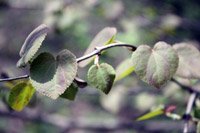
column 74, row 23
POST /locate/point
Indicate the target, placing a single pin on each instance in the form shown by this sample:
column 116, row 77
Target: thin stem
column 103, row 48
column 15, row 78
column 95, row 52
column 188, row 111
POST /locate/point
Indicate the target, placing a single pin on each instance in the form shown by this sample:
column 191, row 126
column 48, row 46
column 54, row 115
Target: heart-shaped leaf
column 51, row 76
column 31, row 45
column 101, row 77
column 189, row 61
column 104, row 37
column 20, row 95
column 71, row 92
column 124, row 69
column 155, row 66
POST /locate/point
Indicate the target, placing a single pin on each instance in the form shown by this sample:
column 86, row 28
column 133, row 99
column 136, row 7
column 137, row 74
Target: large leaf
column 31, row 45
column 104, row 37
column 124, row 69
column 189, row 61
column 71, row 92
column 20, row 95
column 155, row 66
column 51, row 76
column 101, row 77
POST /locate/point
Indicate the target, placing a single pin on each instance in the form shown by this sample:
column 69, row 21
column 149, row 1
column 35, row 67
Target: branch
column 95, row 52
column 188, row 111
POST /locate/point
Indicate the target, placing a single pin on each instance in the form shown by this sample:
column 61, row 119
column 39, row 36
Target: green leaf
column 104, row 37
column 156, row 112
column 189, row 61
column 124, row 69
column 20, row 95
column 101, row 77
column 155, row 66
column 70, row 92
column 50, row 76
column 31, row 45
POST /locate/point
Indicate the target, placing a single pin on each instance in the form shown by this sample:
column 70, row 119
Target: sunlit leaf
column 155, row 66
column 152, row 114
column 124, row 69
column 31, row 45
column 20, row 95
column 189, row 61
column 70, row 92
column 51, row 76
column 101, row 77
column 104, row 37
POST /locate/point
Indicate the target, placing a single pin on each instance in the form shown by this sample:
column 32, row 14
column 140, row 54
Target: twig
column 187, row 88
column 14, row 78
column 188, row 111
column 95, row 52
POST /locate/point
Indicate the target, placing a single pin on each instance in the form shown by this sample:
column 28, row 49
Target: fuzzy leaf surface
column 52, row 76
column 32, row 44
column 155, row 66
column 101, row 77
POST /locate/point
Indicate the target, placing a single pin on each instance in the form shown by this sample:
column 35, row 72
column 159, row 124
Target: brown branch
column 85, row 57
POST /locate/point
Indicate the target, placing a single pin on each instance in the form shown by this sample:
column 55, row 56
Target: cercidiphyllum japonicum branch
column 85, row 57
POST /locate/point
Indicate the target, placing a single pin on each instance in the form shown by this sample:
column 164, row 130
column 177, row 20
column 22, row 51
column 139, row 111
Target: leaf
column 20, row 96
column 104, row 37
column 31, row 45
column 189, row 61
column 155, row 66
column 50, row 76
column 101, row 77
column 70, row 93
column 124, row 69
column 151, row 114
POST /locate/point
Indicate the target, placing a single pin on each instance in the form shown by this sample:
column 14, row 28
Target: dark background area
column 73, row 25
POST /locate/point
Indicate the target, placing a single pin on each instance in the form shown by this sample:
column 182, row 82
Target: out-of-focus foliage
column 74, row 24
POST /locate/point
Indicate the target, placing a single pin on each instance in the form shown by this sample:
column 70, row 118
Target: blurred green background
column 73, row 25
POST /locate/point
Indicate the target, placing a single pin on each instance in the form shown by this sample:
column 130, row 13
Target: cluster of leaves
column 56, row 76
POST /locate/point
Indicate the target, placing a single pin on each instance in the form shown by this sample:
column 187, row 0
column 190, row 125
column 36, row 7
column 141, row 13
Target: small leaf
column 156, row 112
column 20, row 95
column 155, row 66
column 104, row 37
column 51, row 76
column 101, row 77
column 189, row 61
column 70, row 93
column 124, row 69
column 31, row 45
